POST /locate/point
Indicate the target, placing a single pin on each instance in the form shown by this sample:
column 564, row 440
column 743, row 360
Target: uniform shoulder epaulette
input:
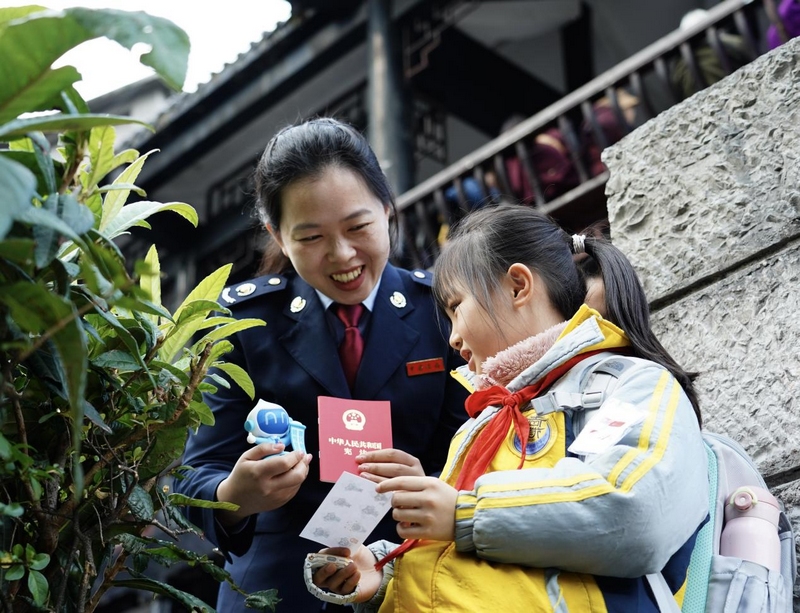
column 239, row 292
column 425, row 277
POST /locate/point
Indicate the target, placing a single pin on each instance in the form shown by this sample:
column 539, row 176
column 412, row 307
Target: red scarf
column 489, row 440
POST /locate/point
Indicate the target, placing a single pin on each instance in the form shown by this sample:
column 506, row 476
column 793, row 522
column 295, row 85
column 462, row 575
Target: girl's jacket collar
column 530, row 359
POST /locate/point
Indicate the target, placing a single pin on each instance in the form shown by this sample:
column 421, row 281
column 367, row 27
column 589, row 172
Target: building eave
column 298, row 49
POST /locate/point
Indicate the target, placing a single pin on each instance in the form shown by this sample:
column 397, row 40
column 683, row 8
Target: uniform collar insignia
column 298, row 304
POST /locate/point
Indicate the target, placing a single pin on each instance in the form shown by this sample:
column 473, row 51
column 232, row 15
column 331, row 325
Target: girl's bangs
column 453, row 268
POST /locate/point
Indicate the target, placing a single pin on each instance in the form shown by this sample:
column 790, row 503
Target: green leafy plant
column 99, row 382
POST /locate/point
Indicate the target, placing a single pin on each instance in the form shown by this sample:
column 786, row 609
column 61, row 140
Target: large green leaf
column 18, row 186
column 198, row 308
column 173, row 515
column 34, row 153
column 177, row 338
column 207, row 290
column 143, row 306
column 28, row 160
column 117, row 359
column 114, row 201
column 15, row 12
column 150, row 280
column 42, row 93
column 176, row 373
column 168, row 448
column 30, row 44
column 169, row 55
column 37, row 584
column 47, row 239
column 74, row 214
column 39, row 561
column 95, row 417
column 101, row 155
column 131, row 543
column 35, row 215
column 212, row 322
column 219, row 349
column 263, row 600
column 41, row 148
column 121, row 187
column 136, row 212
column 240, row 376
column 16, row 572
column 107, row 257
column 191, row 318
column 229, row 329
column 46, row 366
column 201, row 411
column 140, row 503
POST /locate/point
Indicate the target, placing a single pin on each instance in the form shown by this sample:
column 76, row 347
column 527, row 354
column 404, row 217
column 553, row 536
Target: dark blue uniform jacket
column 292, row 361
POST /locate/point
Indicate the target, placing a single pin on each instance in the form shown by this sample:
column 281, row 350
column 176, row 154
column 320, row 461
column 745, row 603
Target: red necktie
column 352, row 347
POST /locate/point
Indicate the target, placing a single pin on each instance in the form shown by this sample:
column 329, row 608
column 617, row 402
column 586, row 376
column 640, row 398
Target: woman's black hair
column 305, row 150
column 485, row 243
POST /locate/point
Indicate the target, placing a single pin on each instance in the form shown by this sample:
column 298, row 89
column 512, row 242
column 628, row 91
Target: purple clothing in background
column 789, row 13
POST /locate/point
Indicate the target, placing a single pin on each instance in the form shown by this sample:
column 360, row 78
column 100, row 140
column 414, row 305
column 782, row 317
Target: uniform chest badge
column 539, row 435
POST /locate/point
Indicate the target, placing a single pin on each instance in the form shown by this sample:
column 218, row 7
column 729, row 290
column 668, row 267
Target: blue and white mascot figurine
column 268, row 422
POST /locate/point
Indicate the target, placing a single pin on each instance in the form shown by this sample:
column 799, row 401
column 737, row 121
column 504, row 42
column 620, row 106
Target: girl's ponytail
column 628, row 308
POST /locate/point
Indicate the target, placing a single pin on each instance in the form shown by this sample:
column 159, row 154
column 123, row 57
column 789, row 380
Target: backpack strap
column 699, row 569
column 664, row 599
column 602, row 378
column 558, row 400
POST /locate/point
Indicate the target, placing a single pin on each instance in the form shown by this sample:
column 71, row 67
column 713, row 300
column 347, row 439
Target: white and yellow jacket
column 567, row 533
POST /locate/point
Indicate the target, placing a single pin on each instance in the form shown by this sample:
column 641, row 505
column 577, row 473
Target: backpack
column 721, row 583
column 714, row 583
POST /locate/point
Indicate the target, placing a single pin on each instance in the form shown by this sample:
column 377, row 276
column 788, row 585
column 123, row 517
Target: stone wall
column 705, row 201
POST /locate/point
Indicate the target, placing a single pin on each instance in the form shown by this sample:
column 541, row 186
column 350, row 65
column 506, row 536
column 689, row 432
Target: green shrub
column 97, row 385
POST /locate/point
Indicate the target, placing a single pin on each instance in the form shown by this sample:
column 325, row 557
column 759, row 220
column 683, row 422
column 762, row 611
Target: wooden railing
column 649, row 76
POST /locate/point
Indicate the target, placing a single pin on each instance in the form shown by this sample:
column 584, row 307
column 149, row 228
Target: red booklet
column 348, row 428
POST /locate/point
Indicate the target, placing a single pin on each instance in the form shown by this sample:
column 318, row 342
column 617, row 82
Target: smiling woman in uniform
column 329, row 212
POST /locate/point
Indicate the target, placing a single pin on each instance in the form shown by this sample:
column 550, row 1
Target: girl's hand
column 262, row 481
column 425, row 507
column 360, row 572
column 384, row 464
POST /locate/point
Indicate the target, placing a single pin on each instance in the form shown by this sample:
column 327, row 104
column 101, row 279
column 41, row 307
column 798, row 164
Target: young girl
column 518, row 521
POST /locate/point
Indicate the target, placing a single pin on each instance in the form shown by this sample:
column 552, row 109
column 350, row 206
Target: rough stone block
column 741, row 335
column 713, row 180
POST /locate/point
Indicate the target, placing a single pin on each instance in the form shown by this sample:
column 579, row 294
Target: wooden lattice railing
column 731, row 34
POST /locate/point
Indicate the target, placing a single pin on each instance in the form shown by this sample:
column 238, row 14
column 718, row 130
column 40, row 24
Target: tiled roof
column 178, row 104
